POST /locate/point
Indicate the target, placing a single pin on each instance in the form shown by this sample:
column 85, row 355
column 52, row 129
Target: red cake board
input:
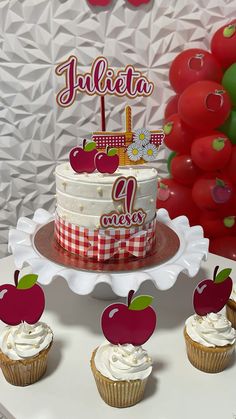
column 166, row 246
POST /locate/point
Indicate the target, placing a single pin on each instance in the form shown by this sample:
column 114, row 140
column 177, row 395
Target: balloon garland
column 200, row 131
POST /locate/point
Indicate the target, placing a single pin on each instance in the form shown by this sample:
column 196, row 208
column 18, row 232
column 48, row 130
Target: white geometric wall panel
column 35, row 35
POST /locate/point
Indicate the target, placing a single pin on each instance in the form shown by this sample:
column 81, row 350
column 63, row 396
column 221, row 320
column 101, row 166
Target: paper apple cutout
column 133, row 323
column 107, row 162
column 21, row 302
column 211, row 296
column 221, row 193
column 82, row 159
column 99, row 2
column 138, row 2
column 163, row 192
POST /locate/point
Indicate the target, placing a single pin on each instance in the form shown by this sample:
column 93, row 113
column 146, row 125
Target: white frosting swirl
column 123, row 362
column 25, row 340
column 211, row 330
column 233, row 294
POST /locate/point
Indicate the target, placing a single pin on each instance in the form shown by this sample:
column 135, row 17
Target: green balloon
column 229, row 82
column 170, row 157
column 229, row 127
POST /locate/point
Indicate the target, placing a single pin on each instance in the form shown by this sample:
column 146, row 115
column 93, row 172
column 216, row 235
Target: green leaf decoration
column 27, row 282
column 140, row 302
column 222, row 275
column 112, row 151
column 220, row 182
column 90, row 146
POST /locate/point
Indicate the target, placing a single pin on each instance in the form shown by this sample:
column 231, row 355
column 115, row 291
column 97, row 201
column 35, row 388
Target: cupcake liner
column 24, row 372
column 118, row 393
column 231, row 312
column 208, row 359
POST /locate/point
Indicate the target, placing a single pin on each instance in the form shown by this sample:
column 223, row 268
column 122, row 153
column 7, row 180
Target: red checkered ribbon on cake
column 103, row 244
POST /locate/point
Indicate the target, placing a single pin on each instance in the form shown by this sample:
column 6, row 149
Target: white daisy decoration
column 135, row 152
column 150, row 152
column 142, row 136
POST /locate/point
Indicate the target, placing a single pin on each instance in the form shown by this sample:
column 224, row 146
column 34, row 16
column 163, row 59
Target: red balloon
column 230, row 169
column 223, row 44
column 177, row 200
column 224, row 246
column 178, row 136
column 204, row 105
column 211, row 192
column 193, row 65
column 216, row 225
column 184, row 170
column 211, row 152
column 172, row 106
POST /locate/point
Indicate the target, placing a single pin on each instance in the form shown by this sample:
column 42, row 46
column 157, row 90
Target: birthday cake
column 92, row 223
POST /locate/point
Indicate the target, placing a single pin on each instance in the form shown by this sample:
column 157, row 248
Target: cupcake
column 231, row 307
column 121, row 366
column 209, row 336
column 24, row 342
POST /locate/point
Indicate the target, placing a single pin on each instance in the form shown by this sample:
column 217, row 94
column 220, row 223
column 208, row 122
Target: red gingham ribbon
column 105, row 244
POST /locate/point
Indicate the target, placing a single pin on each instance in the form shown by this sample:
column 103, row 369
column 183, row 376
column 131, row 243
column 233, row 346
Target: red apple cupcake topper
column 131, row 323
column 21, row 302
column 210, row 296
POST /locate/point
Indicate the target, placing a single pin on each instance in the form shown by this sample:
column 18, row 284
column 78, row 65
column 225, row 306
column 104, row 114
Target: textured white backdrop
column 35, row 35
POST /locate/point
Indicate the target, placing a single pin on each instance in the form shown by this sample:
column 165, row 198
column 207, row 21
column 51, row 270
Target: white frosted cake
column 83, row 198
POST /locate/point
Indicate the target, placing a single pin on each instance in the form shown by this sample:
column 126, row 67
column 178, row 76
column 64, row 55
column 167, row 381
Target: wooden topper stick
column 103, row 116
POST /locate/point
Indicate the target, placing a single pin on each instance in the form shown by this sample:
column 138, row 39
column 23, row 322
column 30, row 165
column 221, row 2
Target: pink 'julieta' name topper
column 124, row 189
column 102, row 80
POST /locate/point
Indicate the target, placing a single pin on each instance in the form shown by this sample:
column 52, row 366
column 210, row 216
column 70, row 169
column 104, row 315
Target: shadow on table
column 172, row 306
column 54, row 357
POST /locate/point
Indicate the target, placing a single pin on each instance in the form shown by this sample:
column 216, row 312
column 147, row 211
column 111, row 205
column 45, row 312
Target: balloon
column 172, row 106
column 183, row 169
column 211, row 152
column 177, row 200
column 223, row 44
column 178, row 136
column 229, row 127
column 204, row 105
column 229, row 82
column 216, row 225
column 230, row 170
column 224, row 246
column 193, row 65
column 169, row 159
column 211, row 192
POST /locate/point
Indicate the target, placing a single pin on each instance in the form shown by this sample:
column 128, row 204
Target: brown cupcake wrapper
column 118, row 393
column 231, row 312
column 208, row 359
column 24, row 372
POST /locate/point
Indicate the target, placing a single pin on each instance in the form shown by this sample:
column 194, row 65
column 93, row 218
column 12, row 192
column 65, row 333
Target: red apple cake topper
column 132, row 323
column 22, row 302
column 210, row 296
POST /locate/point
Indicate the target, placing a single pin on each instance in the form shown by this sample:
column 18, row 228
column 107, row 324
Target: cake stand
column 192, row 250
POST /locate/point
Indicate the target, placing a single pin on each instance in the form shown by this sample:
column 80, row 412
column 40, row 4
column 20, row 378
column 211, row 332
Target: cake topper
column 82, row 159
column 22, row 302
column 210, row 296
column 132, row 323
column 132, row 148
column 124, row 190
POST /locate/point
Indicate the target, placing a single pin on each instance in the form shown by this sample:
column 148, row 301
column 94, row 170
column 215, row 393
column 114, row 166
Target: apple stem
column 215, row 272
column 130, row 295
column 107, row 149
column 16, row 276
column 84, row 143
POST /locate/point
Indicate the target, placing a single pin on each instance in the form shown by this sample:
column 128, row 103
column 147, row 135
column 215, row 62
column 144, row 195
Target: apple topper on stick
column 22, row 302
column 132, row 323
column 210, row 296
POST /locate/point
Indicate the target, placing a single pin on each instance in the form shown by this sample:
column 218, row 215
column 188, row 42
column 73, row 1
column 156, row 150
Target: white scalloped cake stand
column 193, row 249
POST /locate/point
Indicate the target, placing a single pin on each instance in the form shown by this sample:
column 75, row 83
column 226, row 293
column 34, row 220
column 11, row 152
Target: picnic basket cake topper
column 131, row 147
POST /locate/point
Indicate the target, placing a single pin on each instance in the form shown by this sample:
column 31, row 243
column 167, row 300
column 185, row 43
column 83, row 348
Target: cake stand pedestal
column 192, row 250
